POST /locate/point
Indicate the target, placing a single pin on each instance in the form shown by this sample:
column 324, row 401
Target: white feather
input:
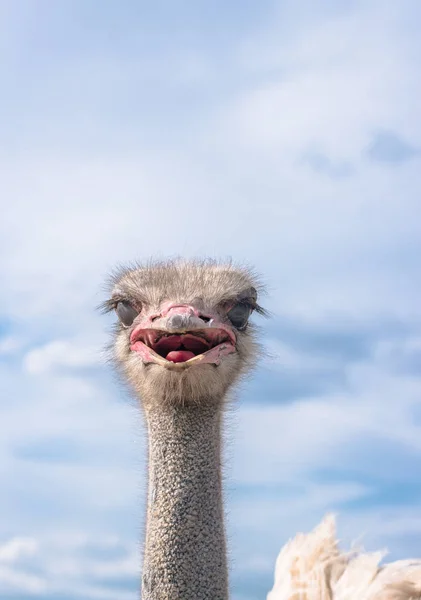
column 312, row 567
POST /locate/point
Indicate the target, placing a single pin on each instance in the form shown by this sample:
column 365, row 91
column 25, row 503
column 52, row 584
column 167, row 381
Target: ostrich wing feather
column 311, row 567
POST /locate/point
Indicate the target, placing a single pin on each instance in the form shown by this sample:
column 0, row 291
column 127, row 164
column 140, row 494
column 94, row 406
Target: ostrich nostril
column 178, row 321
column 205, row 319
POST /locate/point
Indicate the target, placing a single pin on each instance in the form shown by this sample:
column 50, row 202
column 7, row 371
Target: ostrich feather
column 312, row 567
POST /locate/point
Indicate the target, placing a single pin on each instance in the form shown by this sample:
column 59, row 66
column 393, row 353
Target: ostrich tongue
column 180, row 348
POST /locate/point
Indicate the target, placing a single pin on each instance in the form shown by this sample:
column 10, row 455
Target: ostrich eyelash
column 111, row 304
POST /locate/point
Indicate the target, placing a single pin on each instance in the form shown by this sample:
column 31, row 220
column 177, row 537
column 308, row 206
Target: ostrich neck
column 185, row 554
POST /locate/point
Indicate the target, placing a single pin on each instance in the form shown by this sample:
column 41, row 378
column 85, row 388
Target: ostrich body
column 182, row 340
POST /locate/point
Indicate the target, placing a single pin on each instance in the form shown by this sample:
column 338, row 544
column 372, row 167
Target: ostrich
column 181, row 341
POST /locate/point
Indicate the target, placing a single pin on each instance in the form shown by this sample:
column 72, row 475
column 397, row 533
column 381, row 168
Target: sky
column 284, row 134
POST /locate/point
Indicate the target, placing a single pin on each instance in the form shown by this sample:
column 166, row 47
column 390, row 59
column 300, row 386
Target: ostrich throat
column 185, row 549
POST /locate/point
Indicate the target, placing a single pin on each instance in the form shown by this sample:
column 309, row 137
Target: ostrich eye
column 126, row 313
column 239, row 314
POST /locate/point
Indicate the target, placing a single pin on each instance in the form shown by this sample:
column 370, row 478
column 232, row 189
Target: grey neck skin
column 185, row 551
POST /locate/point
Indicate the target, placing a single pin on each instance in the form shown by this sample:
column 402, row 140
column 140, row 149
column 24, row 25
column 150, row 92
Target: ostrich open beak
column 182, row 349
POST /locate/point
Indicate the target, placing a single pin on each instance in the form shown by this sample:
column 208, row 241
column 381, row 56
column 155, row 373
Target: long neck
column 185, row 553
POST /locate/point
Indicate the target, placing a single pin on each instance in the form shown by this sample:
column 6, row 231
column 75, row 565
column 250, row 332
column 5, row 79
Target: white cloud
column 65, row 567
column 282, row 355
column 61, row 353
column 331, row 74
column 17, row 547
column 285, row 443
column 10, row 345
column 12, row 580
column 113, row 207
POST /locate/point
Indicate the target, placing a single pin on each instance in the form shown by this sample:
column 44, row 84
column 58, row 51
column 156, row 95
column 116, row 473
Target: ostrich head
column 183, row 333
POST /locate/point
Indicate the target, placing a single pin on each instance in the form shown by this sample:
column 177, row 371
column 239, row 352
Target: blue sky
column 284, row 134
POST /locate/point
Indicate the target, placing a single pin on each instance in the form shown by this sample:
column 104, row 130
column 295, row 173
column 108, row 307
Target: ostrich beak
column 182, row 338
